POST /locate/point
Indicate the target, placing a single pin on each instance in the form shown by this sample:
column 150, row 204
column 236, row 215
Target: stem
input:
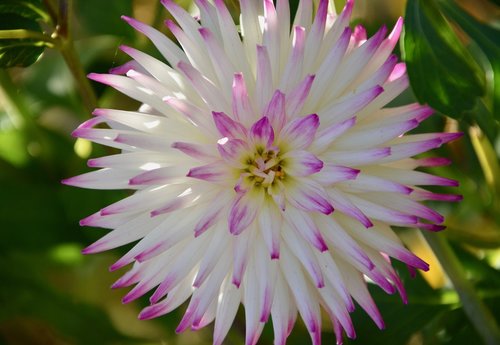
column 69, row 54
column 475, row 309
column 75, row 66
column 22, row 33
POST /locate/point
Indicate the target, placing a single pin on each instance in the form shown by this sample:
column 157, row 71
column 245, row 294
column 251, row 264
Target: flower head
column 266, row 167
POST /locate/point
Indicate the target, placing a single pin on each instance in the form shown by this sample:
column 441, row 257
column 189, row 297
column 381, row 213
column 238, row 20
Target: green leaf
column 19, row 52
column 442, row 73
column 31, row 9
column 488, row 40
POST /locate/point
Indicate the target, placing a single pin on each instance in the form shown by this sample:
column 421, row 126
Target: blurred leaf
column 42, row 228
column 25, row 296
column 99, row 17
column 19, row 52
column 442, row 73
column 13, row 148
column 478, row 270
column 487, row 38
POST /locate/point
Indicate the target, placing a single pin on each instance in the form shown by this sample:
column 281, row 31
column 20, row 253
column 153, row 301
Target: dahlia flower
column 266, row 168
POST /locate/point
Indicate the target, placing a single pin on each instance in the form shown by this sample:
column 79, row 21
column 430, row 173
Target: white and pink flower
column 266, row 167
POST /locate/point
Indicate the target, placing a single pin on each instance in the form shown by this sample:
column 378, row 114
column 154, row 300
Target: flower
column 266, row 167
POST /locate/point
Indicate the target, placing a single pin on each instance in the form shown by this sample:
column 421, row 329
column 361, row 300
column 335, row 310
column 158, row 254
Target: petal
column 308, row 195
column 299, row 133
column 342, row 203
column 275, row 110
column 233, row 151
column 231, row 38
column 347, row 106
column 293, row 68
column 200, row 152
column 284, row 309
column 303, row 293
column 331, row 174
column 167, row 48
column 160, row 176
column 175, row 298
column 328, row 135
column 227, row 307
column 196, row 115
column 242, row 245
column 357, row 158
column 262, row 133
column 224, row 68
column 328, row 69
column 212, row 214
column 204, row 87
column 242, row 106
column 301, row 163
column 264, row 78
column 369, row 183
column 228, row 127
column 316, row 34
column 194, row 48
column 213, row 172
column 216, row 248
column 305, row 226
column 270, row 221
column 343, row 244
column 298, row 96
column 102, row 179
column 243, row 211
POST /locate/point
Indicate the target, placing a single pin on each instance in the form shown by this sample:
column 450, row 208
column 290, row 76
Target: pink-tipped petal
column 275, row 110
column 213, row 172
column 262, row 133
column 242, row 107
column 301, row 163
column 299, row 133
column 228, row 127
column 243, row 211
column 307, row 195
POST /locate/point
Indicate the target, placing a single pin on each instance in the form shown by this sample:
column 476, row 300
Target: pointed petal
column 262, row 133
column 228, row 127
column 242, row 106
column 213, row 172
column 270, row 221
column 275, row 110
column 308, row 195
column 299, row 133
column 301, row 163
column 243, row 211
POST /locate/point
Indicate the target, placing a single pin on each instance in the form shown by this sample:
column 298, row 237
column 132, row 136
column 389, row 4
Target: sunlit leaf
column 487, row 38
column 19, row 52
column 442, row 73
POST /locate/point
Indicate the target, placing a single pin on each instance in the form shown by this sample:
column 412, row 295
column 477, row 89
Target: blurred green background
column 51, row 294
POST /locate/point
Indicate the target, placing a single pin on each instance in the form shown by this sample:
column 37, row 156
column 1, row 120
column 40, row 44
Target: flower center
column 262, row 170
column 265, row 168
